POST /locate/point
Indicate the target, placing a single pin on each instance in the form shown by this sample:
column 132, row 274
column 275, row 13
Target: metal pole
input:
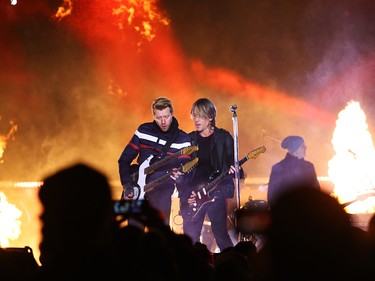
column 233, row 109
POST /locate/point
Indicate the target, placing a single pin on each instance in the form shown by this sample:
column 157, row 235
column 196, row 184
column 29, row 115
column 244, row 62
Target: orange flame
column 9, row 221
column 352, row 169
column 4, row 139
column 141, row 14
column 64, row 10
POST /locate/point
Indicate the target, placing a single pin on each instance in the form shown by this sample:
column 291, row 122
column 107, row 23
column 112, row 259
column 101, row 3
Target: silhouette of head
column 77, row 209
column 311, row 237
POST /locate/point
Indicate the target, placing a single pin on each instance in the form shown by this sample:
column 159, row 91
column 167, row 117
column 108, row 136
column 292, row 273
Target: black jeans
column 217, row 214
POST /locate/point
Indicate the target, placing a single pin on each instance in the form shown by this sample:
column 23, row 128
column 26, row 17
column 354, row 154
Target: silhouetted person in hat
column 293, row 171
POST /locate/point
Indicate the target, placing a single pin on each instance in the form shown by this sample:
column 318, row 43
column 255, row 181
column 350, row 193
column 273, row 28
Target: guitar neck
column 151, row 185
column 212, row 185
column 162, row 162
column 187, row 167
column 158, row 164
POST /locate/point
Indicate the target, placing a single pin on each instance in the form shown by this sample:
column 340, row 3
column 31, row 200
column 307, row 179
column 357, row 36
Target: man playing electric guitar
column 216, row 154
column 205, row 194
column 139, row 172
column 158, row 139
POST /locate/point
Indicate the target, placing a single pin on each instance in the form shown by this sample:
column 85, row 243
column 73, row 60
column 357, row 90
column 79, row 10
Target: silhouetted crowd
column 309, row 237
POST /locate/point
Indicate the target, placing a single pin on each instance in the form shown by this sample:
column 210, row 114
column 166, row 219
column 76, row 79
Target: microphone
column 233, row 108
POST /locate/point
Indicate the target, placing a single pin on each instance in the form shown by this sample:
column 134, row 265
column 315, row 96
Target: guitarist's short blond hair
column 162, row 103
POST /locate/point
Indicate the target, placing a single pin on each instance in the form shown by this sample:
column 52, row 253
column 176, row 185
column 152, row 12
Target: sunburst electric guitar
column 141, row 171
column 204, row 194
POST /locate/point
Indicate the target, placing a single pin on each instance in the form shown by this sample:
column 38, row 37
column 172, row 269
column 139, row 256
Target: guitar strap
column 167, row 145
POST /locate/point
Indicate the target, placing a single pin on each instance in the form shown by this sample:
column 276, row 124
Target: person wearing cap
column 291, row 172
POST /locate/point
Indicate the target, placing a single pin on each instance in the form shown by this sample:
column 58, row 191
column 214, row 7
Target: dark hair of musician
column 205, row 108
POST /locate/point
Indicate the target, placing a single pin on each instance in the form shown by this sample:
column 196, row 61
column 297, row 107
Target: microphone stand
column 233, row 109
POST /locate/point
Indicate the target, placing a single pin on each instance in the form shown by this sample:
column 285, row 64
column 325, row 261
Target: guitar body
column 202, row 199
column 139, row 191
column 140, row 172
column 204, row 195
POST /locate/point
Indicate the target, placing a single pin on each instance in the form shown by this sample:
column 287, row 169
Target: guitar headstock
column 189, row 150
column 364, row 196
column 190, row 165
column 255, row 152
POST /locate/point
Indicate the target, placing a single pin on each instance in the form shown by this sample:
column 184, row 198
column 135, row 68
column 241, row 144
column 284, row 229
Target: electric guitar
column 186, row 168
column 203, row 196
column 139, row 176
column 360, row 197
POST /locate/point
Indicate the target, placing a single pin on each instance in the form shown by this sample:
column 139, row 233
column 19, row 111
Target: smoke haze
column 78, row 87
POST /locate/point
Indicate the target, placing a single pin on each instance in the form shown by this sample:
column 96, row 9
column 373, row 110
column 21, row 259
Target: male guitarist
column 151, row 142
column 216, row 156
